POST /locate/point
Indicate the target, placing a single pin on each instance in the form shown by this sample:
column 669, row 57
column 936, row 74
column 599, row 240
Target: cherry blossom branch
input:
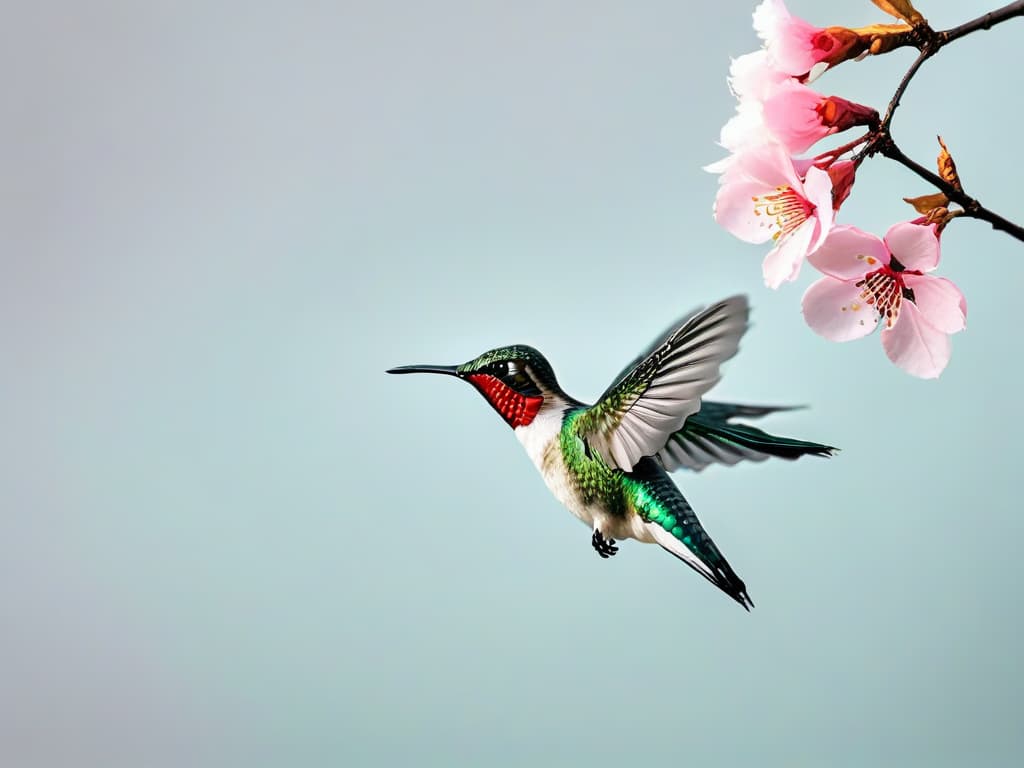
column 767, row 192
column 929, row 43
column 986, row 21
column 972, row 208
column 894, row 102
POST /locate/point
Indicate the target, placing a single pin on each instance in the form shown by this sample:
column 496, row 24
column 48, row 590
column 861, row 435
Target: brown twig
column 986, row 21
column 929, row 42
column 972, row 208
column 833, row 154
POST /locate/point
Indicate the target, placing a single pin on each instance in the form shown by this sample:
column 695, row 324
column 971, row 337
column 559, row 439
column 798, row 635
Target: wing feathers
column 638, row 414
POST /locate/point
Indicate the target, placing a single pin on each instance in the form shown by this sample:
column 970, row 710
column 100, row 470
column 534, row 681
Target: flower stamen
column 883, row 290
column 785, row 208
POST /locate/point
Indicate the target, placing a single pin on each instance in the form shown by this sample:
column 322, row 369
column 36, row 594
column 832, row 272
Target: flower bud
column 882, row 38
column 835, row 45
column 841, row 114
column 842, row 174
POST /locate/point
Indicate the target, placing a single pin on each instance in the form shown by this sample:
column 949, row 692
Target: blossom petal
column 752, row 77
column 770, row 164
column 915, row 345
column 744, row 128
column 818, row 191
column 790, row 113
column 735, row 211
column 768, row 17
column 939, row 301
column 782, row 263
column 915, row 246
column 817, row 71
column 834, row 309
column 849, row 253
column 789, row 39
column 720, row 166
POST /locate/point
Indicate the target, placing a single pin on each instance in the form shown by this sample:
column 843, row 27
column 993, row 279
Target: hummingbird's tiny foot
column 604, row 547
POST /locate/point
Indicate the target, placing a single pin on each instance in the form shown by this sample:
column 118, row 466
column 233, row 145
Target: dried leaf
column 942, row 216
column 882, row 38
column 882, row 29
column 901, row 9
column 926, row 204
column 947, row 168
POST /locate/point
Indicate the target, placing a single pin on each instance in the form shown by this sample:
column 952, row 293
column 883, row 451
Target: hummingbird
column 609, row 462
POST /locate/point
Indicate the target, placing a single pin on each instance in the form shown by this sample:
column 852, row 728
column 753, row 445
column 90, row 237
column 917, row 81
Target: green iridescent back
column 597, row 483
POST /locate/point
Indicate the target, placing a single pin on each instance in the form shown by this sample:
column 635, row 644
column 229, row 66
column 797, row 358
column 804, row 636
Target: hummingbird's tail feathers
column 726, row 411
column 672, row 523
column 711, row 565
column 708, row 437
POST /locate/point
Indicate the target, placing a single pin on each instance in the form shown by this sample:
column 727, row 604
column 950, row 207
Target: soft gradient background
column 228, row 539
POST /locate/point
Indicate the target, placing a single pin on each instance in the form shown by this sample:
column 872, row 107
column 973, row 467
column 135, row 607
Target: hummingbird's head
column 516, row 381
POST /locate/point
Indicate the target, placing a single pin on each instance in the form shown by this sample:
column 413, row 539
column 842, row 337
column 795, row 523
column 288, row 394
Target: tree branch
column 929, row 42
column 925, row 54
column 986, row 21
column 972, row 208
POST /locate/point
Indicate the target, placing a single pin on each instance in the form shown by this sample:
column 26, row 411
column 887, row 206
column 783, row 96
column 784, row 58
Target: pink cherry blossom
column 798, row 116
column 752, row 76
column 869, row 281
column 761, row 197
column 751, row 80
column 773, row 106
column 799, row 48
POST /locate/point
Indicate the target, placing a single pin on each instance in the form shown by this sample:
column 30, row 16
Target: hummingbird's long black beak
column 448, row 370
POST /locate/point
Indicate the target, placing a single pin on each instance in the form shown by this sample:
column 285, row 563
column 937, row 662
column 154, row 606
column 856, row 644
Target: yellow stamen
column 785, row 208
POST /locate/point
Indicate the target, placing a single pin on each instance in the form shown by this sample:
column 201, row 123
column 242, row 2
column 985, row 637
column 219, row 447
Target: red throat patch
column 517, row 409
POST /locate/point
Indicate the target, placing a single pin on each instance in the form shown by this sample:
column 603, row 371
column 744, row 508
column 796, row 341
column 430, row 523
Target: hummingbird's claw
column 604, row 547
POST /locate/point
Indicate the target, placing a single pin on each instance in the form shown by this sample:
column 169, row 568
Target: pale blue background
column 228, row 539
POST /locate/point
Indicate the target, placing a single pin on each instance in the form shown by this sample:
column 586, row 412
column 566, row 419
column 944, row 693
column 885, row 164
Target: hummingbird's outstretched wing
column 711, row 437
column 637, row 415
column 661, row 339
